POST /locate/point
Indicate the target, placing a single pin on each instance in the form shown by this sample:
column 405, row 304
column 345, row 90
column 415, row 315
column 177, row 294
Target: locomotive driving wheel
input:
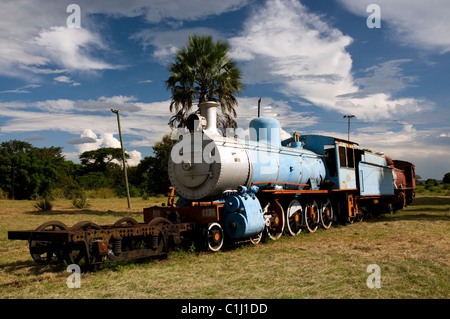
column 273, row 213
column 312, row 217
column 44, row 252
column 326, row 214
column 214, row 237
column 294, row 218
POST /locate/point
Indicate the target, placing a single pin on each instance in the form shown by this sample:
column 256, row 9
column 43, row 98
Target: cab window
column 342, row 157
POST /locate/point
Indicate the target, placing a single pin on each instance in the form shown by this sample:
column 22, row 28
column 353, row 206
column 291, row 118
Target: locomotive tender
column 232, row 189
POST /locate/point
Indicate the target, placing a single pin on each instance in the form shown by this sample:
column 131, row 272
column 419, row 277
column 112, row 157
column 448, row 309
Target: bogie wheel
column 294, row 218
column 78, row 254
column 43, row 252
column 214, row 237
column 312, row 217
column 326, row 214
column 126, row 221
column 160, row 242
column 84, row 225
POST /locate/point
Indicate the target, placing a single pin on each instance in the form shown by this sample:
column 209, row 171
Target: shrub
column 44, row 204
column 81, row 202
column 3, row 194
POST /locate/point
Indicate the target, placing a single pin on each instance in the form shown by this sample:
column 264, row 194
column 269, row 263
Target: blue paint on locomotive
column 273, row 162
column 244, row 217
column 352, row 168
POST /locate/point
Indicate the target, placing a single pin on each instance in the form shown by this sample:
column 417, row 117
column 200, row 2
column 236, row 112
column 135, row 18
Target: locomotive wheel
column 326, row 214
column 294, row 218
column 160, row 243
column 43, row 252
column 78, row 255
column 256, row 239
column 275, row 214
column 312, row 217
column 214, row 237
column 126, row 221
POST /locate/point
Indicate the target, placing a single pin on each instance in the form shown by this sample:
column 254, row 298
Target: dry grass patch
column 411, row 248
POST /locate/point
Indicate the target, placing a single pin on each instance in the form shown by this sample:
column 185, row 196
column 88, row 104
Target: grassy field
column 412, row 249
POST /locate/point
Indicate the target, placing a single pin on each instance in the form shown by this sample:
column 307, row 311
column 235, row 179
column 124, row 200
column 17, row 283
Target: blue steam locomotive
column 234, row 189
column 246, row 188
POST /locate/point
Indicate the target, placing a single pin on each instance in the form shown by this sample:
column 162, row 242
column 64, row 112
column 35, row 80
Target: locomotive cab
column 340, row 156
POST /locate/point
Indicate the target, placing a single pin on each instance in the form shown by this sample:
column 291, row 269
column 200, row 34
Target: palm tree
column 203, row 72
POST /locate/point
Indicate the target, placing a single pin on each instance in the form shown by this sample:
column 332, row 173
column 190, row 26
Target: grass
column 412, row 249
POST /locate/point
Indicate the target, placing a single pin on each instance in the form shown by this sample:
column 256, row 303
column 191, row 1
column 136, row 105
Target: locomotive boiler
column 205, row 166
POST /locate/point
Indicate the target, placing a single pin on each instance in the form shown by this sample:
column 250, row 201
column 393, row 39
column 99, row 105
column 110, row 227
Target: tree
column 446, row 179
column 98, row 160
column 26, row 171
column 151, row 174
column 203, row 72
column 431, row 182
column 102, row 168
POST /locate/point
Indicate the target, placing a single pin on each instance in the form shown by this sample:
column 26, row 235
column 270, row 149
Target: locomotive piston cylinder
column 244, row 217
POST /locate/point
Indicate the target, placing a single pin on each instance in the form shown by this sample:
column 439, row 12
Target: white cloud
column 135, row 158
column 66, row 79
column 68, row 46
column 158, row 10
column 89, row 141
column 281, row 109
column 35, row 40
column 415, row 23
column 303, row 56
column 167, row 42
column 406, row 143
column 23, row 89
column 385, row 77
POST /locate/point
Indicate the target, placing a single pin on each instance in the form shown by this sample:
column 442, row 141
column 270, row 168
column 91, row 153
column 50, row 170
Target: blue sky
column 311, row 62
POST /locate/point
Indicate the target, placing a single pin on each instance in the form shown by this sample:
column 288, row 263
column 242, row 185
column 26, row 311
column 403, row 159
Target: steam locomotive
column 234, row 189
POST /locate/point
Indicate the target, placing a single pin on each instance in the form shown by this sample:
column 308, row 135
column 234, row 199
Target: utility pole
column 123, row 157
column 12, row 184
column 348, row 117
column 259, row 107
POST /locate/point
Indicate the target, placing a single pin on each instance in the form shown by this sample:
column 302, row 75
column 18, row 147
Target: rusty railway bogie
column 87, row 243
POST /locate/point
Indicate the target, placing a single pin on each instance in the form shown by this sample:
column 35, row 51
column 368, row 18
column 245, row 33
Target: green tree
column 151, row 173
column 100, row 159
column 102, row 168
column 431, row 182
column 418, row 180
column 203, row 72
column 446, row 179
column 26, row 171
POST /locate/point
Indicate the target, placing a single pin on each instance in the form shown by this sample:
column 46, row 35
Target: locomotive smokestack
column 209, row 111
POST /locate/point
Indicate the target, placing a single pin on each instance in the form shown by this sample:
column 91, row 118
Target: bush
column 81, row 202
column 102, row 192
column 3, row 194
column 431, row 182
column 44, row 204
